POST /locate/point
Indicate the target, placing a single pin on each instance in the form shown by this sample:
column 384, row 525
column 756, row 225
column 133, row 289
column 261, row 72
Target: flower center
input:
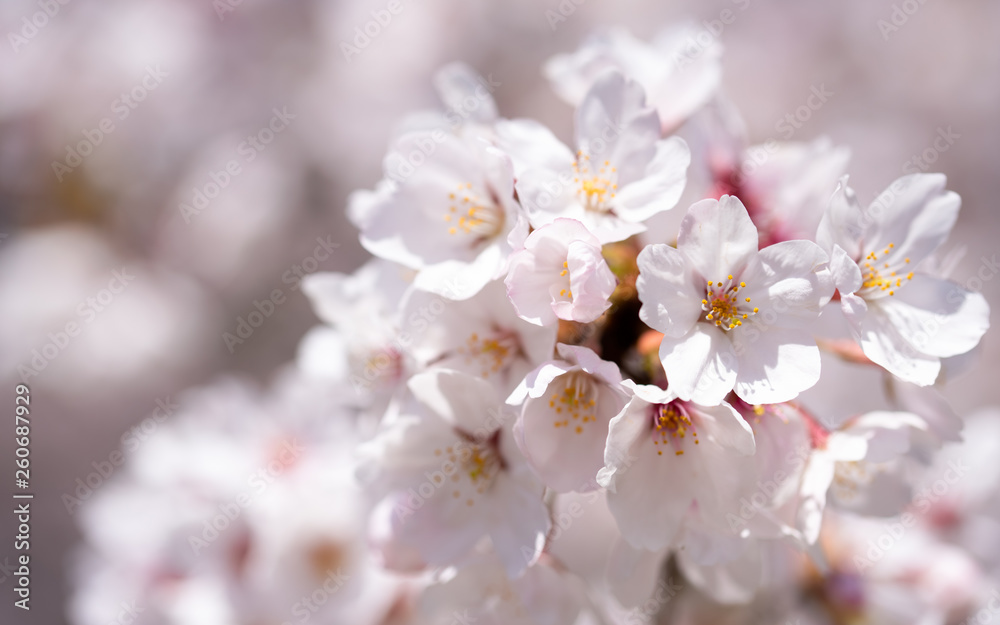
column 470, row 213
column 576, row 401
column 851, row 477
column 877, row 279
column 596, row 184
column 724, row 306
column 474, row 458
column 671, row 424
column 492, row 353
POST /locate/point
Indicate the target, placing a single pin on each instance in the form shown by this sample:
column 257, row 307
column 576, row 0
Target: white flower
column 666, row 458
column 454, row 475
column 561, row 274
column 785, row 185
column 480, row 336
column 905, row 320
column 566, row 407
column 855, row 463
column 679, row 75
column 621, row 175
column 451, row 215
column 357, row 343
column 733, row 318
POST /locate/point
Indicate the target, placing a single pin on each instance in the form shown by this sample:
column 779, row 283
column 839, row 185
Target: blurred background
column 169, row 166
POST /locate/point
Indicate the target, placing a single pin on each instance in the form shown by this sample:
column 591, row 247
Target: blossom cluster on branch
column 595, row 350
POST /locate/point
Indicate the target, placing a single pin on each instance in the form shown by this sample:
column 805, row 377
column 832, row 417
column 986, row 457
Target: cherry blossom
column 733, row 317
column 561, row 274
column 905, row 319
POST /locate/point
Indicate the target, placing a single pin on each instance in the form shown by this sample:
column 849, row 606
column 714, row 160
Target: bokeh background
column 211, row 74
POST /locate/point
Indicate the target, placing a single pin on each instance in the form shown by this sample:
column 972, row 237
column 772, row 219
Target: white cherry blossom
column 560, row 274
column 666, row 457
column 679, row 74
column 904, row 318
column 480, row 336
column 449, row 467
column 733, row 317
column 621, row 174
column 566, row 405
column 451, row 214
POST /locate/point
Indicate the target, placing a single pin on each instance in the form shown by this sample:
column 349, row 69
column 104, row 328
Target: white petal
column 633, row 573
column 456, row 83
column 531, row 145
column 938, row 317
column 775, row 365
column 565, row 453
column 646, row 520
column 718, row 237
column 700, row 366
column 661, row 186
column 844, row 223
column 614, row 123
column 787, row 282
column 727, row 428
column 670, row 302
column 885, row 346
column 845, row 272
column 463, row 400
column 915, row 214
column 520, row 521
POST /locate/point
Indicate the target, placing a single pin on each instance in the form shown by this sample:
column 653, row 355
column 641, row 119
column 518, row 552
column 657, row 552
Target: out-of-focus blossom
column 678, row 74
column 455, row 476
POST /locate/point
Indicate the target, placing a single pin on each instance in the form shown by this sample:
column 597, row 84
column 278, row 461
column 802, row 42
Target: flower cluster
column 623, row 329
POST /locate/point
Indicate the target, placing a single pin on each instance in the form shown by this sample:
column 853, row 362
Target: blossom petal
column 938, row 317
column 661, row 186
column 727, row 428
column 670, row 302
column 463, row 400
column 718, row 237
column 700, row 366
column 775, row 365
